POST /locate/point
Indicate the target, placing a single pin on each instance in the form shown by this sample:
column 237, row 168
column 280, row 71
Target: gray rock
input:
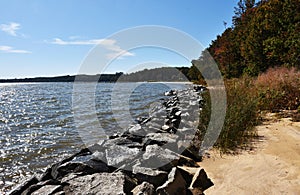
column 170, row 93
column 69, row 177
column 143, row 120
column 162, row 137
column 165, row 127
column 83, row 164
column 116, row 155
column 22, row 187
column 117, row 141
column 175, row 184
column 100, row 184
column 37, row 186
column 98, row 156
column 48, row 190
column 157, row 157
column 60, row 193
column 153, row 176
column 137, row 130
column 144, row 189
column 132, row 137
column 166, row 140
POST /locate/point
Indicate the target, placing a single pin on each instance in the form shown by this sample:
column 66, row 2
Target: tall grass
column 241, row 115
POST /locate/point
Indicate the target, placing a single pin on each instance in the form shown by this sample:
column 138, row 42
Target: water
column 37, row 120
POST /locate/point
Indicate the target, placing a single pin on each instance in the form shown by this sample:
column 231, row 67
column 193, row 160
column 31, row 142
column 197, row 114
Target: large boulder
column 153, row 176
column 99, row 183
column 158, row 157
column 119, row 155
column 175, row 184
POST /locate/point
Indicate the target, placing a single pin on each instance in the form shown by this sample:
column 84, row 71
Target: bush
column 278, row 89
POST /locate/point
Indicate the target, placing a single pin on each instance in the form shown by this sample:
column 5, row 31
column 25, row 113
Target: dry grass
column 241, row 115
column 278, row 89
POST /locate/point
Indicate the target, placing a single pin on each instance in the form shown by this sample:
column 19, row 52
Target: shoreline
column 155, row 155
column 271, row 167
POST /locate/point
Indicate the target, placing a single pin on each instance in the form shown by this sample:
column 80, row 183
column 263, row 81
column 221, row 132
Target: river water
column 37, row 124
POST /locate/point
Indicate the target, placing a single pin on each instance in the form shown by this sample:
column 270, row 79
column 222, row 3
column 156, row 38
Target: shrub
column 278, row 88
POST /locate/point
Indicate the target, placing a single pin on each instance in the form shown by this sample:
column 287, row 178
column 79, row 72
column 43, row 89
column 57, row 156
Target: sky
column 52, row 37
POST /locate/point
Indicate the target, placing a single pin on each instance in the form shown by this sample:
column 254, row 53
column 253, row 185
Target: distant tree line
column 264, row 34
column 68, row 78
column 168, row 74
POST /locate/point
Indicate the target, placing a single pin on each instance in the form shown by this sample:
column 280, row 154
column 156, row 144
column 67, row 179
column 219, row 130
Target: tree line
column 263, row 34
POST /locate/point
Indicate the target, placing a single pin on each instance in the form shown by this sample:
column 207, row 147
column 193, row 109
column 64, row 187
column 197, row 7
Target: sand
column 273, row 167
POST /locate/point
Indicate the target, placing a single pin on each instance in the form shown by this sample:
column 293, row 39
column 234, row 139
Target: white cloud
column 8, row 49
column 109, row 44
column 10, row 28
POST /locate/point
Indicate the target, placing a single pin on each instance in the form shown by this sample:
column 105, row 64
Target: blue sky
column 52, row 37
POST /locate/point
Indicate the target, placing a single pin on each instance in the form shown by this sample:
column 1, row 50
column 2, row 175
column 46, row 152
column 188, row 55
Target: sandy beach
column 271, row 167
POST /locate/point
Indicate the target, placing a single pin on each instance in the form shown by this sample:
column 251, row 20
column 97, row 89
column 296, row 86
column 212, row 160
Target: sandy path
column 272, row 168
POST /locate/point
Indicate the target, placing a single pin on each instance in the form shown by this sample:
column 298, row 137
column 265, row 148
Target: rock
column 197, row 178
column 132, row 137
column 201, row 181
column 165, row 127
column 26, row 184
column 97, row 147
column 186, row 161
column 51, row 172
column 175, row 184
column 48, row 190
column 157, row 157
column 156, row 122
column 196, row 191
column 153, row 176
column 100, row 183
column 98, row 156
column 144, row 189
column 137, row 130
column 85, row 165
column 188, row 173
column 193, row 153
column 178, row 113
column 69, row 177
column 170, row 93
column 116, row 155
column 115, row 135
column 162, row 137
column 153, row 142
column 117, row 141
column 37, row 186
column 60, row 193
column 143, row 120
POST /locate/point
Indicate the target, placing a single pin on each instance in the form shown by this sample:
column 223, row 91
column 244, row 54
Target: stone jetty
column 156, row 155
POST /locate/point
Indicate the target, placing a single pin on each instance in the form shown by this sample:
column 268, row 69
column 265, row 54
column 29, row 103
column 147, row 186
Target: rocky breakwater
column 157, row 155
